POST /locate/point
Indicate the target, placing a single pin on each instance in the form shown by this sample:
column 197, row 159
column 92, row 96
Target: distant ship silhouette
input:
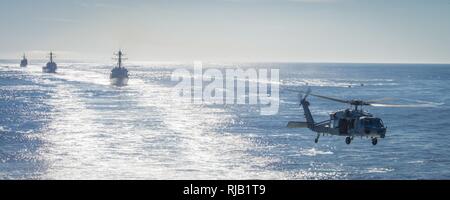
column 119, row 74
column 51, row 66
column 24, row 61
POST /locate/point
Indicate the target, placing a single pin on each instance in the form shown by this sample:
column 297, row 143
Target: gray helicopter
column 349, row 123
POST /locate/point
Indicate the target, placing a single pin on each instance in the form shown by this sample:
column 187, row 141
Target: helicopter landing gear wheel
column 374, row 141
column 348, row 140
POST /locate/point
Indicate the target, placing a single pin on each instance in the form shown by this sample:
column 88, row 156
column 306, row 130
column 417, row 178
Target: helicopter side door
column 343, row 126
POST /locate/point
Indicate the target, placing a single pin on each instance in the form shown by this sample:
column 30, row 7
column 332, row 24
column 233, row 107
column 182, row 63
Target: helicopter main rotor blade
column 403, row 105
column 380, row 100
column 331, row 98
column 374, row 103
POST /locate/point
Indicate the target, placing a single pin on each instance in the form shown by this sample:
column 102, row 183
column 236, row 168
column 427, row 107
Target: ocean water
column 75, row 125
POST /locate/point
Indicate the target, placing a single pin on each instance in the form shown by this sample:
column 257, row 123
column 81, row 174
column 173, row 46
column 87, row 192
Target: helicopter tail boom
column 293, row 124
column 308, row 115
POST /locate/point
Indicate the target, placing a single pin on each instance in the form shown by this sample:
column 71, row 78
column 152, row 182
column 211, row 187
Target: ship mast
column 120, row 59
column 51, row 57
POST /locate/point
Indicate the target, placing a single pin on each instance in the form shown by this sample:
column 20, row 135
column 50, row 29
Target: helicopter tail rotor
column 303, row 95
column 307, row 93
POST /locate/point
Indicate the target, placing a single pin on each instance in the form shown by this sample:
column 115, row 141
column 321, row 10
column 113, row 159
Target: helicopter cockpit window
column 373, row 122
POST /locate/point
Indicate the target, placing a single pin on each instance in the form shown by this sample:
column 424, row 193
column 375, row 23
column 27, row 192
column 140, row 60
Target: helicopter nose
column 382, row 132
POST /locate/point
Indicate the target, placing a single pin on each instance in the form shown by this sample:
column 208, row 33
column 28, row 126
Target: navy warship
column 119, row 74
column 24, row 61
column 51, row 66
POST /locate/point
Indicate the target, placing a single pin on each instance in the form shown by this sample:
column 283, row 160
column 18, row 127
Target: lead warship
column 119, row 74
column 24, row 61
column 51, row 66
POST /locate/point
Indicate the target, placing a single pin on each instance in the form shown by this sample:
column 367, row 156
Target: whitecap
column 416, row 162
column 3, row 129
column 314, row 152
column 379, row 170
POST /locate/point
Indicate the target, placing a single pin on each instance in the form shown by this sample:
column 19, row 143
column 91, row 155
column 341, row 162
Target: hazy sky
column 229, row 30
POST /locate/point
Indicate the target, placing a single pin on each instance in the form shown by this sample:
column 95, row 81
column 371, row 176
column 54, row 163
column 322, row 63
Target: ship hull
column 48, row 70
column 23, row 63
column 119, row 81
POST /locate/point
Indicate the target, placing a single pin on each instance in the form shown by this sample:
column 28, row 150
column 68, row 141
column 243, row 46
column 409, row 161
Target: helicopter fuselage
column 349, row 123
column 356, row 123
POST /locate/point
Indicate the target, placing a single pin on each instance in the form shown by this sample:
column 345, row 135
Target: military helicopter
column 349, row 122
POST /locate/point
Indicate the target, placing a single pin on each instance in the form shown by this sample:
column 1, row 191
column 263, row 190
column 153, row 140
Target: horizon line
column 237, row 61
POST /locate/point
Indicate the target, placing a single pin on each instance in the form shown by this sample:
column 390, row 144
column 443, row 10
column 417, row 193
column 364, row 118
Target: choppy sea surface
column 75, row 125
